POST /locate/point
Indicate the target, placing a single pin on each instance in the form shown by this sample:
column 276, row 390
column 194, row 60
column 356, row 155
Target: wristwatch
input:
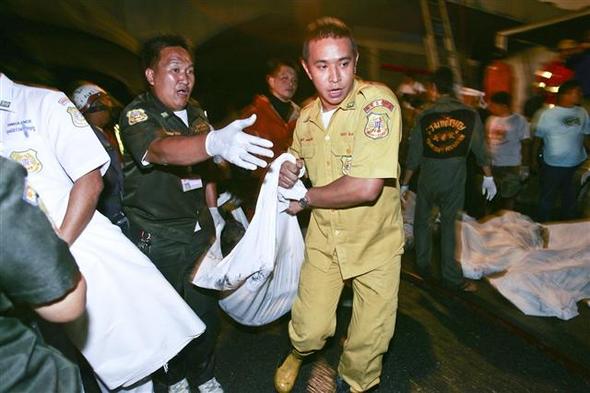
column 304, row 202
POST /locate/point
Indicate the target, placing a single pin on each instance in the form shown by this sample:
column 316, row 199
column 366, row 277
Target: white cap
column 85, row 95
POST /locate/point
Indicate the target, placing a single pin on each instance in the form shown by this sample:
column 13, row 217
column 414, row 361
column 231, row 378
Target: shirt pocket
column 308, row 153
column 342, row 153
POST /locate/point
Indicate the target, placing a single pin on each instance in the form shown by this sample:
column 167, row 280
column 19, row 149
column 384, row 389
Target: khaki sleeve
column 295, row 148
column 375, row 153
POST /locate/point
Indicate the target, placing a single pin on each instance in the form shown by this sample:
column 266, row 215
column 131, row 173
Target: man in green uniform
column 164, row 136
column 348, row 140
column 36, row 270
column 439, row 143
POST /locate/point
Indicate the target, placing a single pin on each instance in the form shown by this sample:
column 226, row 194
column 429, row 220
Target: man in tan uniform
column 348, row 140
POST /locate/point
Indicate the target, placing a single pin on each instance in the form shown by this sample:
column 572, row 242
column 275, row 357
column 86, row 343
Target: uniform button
column 327, row 137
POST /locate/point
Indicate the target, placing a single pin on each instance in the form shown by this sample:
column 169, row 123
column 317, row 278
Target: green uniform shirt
column 362, row 140
column 36, row 268
column 155, row 196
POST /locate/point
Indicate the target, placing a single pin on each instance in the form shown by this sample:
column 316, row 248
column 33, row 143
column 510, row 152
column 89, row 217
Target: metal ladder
column 439, row 42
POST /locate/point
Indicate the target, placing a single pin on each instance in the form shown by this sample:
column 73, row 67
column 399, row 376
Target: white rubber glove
column 402, row 191
column 488, row 188
column 237, row 147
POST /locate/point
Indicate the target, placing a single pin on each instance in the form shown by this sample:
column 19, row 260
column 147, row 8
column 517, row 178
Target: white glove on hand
column 488, row 188
column 402, row 191
column 237, row 147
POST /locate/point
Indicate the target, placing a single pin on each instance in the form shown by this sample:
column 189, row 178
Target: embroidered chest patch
column 28, row 159
column 135, row 116
column 346, row 165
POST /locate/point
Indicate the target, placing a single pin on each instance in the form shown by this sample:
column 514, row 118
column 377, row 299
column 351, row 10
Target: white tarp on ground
column 262, row 270
column 543, row 270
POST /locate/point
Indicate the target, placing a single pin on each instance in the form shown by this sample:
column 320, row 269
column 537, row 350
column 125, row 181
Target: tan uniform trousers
column 374, row 306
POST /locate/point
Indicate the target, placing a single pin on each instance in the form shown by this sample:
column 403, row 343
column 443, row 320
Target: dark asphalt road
column 439, row 346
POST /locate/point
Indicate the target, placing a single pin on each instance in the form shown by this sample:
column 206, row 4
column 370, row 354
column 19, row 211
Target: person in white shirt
column 508, row 139
column 121, row 334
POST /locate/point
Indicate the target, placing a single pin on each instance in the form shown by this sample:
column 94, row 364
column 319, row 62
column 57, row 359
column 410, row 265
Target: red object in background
column 552, row 75
column 498, row 77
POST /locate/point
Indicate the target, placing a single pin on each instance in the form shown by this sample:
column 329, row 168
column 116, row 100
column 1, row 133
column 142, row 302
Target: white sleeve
column 73, row 141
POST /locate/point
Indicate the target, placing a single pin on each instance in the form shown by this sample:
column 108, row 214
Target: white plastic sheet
column 135, row 321
column 542, row 270
column 262, row 270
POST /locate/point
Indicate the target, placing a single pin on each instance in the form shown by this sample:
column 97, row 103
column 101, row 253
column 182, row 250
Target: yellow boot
column 287, row 372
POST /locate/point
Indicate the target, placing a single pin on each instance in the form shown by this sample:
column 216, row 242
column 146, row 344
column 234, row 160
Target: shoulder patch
column 376, row 127
column 77, row 118
column 378, row 103
column 135, row 116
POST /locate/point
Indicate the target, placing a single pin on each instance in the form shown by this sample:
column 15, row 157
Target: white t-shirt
column 183, row 116
column 327, row 116
column 504, row 136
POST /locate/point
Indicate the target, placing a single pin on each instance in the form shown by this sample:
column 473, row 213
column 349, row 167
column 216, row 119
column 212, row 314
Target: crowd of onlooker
column 538, row 153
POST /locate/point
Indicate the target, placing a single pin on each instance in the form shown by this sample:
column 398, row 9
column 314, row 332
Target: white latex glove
column 488, row 187
column 237, row 147
column 524, row 172
column 402, row 191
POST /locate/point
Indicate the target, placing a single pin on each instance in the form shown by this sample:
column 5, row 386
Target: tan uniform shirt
column 362, row 140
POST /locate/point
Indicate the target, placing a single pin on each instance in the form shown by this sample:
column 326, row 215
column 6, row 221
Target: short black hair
column 568, row 86
column 502, row 98
column 443, row 80
column 326, row 27
column 273, row 65
column 150, row 51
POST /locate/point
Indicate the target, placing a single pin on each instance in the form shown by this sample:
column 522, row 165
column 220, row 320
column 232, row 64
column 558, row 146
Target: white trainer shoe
column 211, row 386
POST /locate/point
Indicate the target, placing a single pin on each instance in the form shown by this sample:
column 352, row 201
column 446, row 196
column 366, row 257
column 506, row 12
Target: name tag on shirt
column 191, row 184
